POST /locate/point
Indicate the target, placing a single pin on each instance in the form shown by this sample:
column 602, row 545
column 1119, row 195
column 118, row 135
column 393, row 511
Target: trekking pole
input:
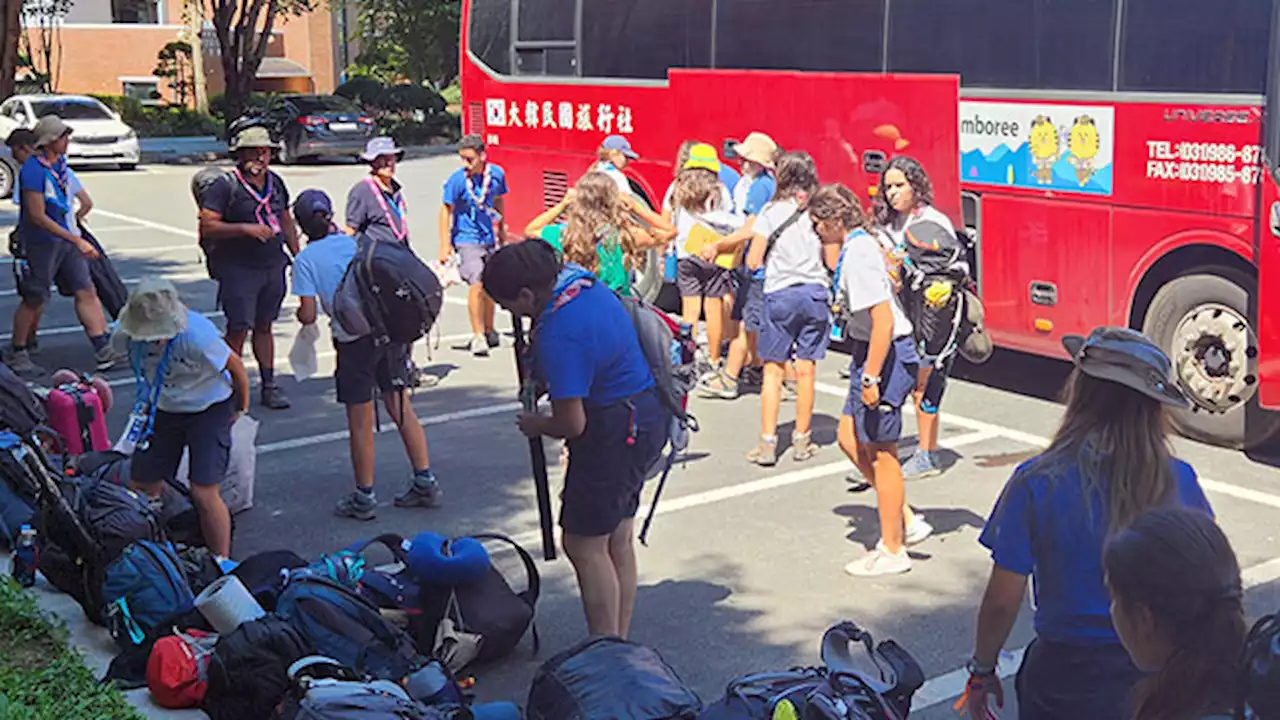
column 657, row 495
column 538, row 454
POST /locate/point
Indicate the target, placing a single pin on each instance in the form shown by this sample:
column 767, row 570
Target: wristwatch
column 978, row 669
column 870, row 380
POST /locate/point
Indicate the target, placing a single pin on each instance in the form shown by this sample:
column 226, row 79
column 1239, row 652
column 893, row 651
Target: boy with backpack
column 362, row 365
column 605, row 404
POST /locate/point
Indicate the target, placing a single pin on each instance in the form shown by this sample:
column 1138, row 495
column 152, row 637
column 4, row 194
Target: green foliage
column 408, row 131
column 42, row 679
column 398, row 98
column 452, row 94
column 414, row 40
column 173, row 63
column 160, row 121
column 255, row 103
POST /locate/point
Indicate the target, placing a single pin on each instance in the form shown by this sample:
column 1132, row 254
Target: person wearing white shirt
column 614, row 155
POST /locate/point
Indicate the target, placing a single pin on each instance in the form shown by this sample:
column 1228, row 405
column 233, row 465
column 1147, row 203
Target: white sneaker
column 479, row 346
column 918, row 531
column 880, row 562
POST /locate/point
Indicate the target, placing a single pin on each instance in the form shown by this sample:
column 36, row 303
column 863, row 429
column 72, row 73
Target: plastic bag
column 302, row 356
column 447, row 272
column 237, row 484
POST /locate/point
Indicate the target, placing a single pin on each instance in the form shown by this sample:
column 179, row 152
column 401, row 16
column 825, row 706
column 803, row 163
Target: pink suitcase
column 75, row 411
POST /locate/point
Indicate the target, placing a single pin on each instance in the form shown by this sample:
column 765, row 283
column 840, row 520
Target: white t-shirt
column 797, row 256
column 722, row 220
column 619, row 179
column 865, row 281
column 897, row 230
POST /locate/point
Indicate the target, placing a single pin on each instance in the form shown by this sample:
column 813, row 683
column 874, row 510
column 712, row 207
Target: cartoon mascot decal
column 1044, row 148
column 1083, row 144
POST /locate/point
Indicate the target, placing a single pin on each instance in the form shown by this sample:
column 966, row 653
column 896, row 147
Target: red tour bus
column 1108, row 156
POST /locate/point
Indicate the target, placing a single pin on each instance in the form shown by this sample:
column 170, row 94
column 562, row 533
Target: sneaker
column 479, row 346
column 423, row 491
column 719, row 386
column 752, row 377
column 880, row 562
column 917, row 531
column 788, row 391
column 19, row 361
column 274, row 398
column 857, row 483
column 419, row 379
column 845, row 372
column 492, row 337
column 764, row 454
column 802, row 447
column 357, row 506
column 33, row 347
column 108, row 357
column 920, row 465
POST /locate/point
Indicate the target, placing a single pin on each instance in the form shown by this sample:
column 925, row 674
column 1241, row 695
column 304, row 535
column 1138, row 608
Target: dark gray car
column 318, row 125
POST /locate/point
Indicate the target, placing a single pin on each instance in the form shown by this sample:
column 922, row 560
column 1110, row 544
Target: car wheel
column 288, row 153
column 128, row 166
column 6, row 180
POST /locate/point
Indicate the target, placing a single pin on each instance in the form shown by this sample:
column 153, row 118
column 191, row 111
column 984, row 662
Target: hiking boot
column 919, row 466
column 274, row 398
column 33, row 347
column 492, row 337
column 765, row 454
column 423, row 491
column 752, row 377
column 880, row 562
column 719, row 386
column 802, row 447
column 857, row 483
column 788, row 391
column 419, row 379
column 479, row 346
column 107, row 357
column 19, row 361
column 917, row 531
column 357, row 506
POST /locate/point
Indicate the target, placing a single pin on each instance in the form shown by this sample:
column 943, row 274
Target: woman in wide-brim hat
column 1109, row 462
column 375, row 205
column 191, row 390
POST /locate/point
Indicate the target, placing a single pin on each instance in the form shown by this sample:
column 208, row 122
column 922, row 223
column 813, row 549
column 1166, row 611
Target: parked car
column 99, row 136
column 316, row 125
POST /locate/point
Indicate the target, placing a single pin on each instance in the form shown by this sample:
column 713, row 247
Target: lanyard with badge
column 401, row 229
column 263, row 212
column 137, row 432
column 478, row 199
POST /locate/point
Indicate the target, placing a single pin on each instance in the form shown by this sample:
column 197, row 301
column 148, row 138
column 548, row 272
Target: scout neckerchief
column 392, row 211
column 478, row 199
column 263, row 212
column 60, row 175
column 142, row 420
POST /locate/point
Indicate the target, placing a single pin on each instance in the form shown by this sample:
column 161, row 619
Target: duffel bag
column 610, row 678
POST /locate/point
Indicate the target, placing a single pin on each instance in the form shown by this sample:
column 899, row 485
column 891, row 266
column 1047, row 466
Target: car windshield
column 324, row 103
column 70, row 109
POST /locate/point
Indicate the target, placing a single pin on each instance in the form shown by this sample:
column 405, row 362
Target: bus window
column 1012, row 44
column 490, row 33
column 1195, row 46
column 800, row 35
column 546, row 19
column 641, row 39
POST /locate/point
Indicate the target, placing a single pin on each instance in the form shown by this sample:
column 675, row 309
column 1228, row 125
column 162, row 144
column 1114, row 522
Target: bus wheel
column 647, row 282
column 1202, row 322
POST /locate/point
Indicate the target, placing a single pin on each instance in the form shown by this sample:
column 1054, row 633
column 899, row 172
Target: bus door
column 1267, row 238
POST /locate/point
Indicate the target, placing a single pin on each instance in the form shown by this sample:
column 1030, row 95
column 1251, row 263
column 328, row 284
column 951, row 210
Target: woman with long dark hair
column 1109, row 462
column 1176, row 602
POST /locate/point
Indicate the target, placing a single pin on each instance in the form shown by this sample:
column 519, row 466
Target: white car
column 99, row 136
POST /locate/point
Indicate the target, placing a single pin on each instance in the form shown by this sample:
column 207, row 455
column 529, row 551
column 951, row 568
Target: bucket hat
column 252, row 137
column 153, row 312
column 50, row 128
column 758, row 148
column 379, row 146
column 1128, row 358
column 702, row 156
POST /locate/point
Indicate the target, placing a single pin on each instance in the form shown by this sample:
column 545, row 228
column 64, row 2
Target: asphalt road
column 744, row 567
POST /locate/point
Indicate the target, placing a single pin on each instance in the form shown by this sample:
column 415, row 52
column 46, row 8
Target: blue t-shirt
column 729, row 177
column 587, row 348
column 318, row 270
column 196, row 378
column 472, row 203
column 750, row 196
column 1041, row 527
column 55, row 183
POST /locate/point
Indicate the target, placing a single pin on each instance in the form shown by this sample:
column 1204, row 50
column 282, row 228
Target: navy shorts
column 52, row 261
column 602, row 486
column 250, row 297
column 1058, row 680
column 696, row 277
column 363, row 368
column 748, row 304
column 796, row 322
column 471, row 260
column 882, row 425
column 206, row 435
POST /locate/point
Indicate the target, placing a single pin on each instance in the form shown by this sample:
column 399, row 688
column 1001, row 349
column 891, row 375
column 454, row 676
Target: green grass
column 40, row 677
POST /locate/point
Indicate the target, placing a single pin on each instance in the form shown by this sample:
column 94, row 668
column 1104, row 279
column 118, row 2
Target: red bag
column 178, row 669
column 76, row 412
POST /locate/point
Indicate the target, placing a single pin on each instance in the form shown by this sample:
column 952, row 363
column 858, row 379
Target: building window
column 138, row 12
column 146, row 92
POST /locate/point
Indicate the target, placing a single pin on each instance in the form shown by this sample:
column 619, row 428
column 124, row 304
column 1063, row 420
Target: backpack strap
column 777, row 233
column 390, row 541
column 530, row 595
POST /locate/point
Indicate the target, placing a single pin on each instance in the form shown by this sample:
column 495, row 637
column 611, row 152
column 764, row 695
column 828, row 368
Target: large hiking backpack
column 1262, row 667
column 249, row 673
column 388, row 293
column 670, row 351
column 343, row 625
column 610, row 678
column 323, row 689
column 142, row 589
column 20, row 410
column 17, row 490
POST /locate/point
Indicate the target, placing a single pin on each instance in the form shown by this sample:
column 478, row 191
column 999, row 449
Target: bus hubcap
column 1213, row 348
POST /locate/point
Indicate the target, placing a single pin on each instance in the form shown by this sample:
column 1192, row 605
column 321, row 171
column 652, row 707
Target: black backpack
column 610, row 678
column 20, row 410
column 1262, row 667
column 111, row 289
column 388, row 293
column 249, row 671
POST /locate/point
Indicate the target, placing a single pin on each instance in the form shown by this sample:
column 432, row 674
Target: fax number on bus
column 1201, row 172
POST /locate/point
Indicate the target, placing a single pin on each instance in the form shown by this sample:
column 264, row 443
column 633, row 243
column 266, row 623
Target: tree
column 43, row 23
column 10, row 34
column 173, row 63
column 414, row 39
column 243, row 28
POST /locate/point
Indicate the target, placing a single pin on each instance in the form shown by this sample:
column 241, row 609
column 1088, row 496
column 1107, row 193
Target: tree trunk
column 10, row 31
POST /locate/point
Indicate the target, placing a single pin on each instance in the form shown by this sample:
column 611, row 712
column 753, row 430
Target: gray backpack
column 324, row 690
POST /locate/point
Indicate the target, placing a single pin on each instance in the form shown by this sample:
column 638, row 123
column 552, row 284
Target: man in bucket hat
column 55, row 251
column 375, row 204
column 244, row 216
column 191, row 390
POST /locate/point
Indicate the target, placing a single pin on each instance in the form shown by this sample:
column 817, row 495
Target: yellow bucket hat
column 702, row 156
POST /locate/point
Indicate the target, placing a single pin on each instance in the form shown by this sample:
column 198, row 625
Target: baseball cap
column 1128, row 358
column 312, row 201
column 621, row 144
column 702, row 156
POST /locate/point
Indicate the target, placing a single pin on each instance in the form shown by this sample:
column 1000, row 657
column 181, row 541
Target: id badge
column 273, row 222
column 837, row 330
column 131, row 439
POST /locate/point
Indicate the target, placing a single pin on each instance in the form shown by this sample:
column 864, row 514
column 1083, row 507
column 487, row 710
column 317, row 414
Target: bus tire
column 1201, row 321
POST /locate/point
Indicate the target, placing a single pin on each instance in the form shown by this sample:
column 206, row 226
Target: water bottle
column 24, row 557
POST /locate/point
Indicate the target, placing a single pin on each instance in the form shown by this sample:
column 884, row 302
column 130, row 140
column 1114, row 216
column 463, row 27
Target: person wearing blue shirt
column 604, row 402
column 191, row 390
column 1109, row 462
column 472, row 225
column 363, row 368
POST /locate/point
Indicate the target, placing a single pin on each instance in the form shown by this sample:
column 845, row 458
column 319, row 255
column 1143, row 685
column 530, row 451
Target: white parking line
column 177, row 278
column 146, row 223
column 310, row 440
column 73, row 329
column 146, row 250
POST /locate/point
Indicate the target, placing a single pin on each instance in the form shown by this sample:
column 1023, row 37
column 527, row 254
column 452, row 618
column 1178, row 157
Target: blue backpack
column 344, row 626
column 142, row 589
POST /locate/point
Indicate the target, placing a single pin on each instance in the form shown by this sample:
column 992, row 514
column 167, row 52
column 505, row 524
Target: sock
column 100, row 341
column 424, row 477
column 771, row 439
column 268, row 376
column 19, row 348
column 366, row 491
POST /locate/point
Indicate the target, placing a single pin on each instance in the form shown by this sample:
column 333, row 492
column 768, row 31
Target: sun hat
column 621, row 144
column 379, row 146
column 252, row 137
column 1128, row 358
column 758, row 148
column 702, row 156
column 153, row 312
column 50, row 128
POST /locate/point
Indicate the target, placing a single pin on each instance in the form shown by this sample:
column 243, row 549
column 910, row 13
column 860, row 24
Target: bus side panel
column 1267, row 317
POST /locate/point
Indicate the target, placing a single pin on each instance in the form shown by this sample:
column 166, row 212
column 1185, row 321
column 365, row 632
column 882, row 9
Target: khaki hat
column 253, row 137
column 758, row 148
column 50, row 128
column 153, row 312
